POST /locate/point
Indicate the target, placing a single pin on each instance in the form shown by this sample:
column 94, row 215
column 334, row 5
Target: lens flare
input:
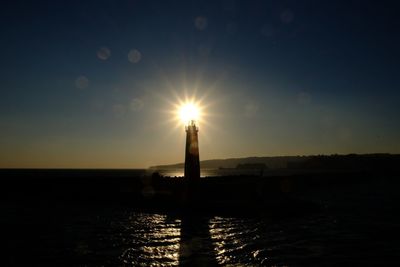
column 189, row 112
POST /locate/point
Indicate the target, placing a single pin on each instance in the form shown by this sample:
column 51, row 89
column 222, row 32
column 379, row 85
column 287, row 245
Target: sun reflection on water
column 155, row 242
column 191, row 239
column 159, row 240
column 232, row 240
column 195, row 239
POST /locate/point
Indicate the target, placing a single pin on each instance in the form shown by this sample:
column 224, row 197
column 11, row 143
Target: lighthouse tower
column 192, row 162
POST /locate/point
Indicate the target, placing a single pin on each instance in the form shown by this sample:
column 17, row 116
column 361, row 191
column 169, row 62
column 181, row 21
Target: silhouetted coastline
column 64, row 217
column 241, row 193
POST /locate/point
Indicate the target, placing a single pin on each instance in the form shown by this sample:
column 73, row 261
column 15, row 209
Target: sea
column 355, row 226
column 179, row 172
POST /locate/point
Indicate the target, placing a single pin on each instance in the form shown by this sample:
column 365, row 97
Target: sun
column 188, row 112
column 187, row 109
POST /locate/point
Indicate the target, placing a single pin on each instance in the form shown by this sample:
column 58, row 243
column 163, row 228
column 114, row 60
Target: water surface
column 78, row 235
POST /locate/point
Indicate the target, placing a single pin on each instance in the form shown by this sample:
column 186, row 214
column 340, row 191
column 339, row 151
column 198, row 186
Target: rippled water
column 75, row 235
column 163, row 240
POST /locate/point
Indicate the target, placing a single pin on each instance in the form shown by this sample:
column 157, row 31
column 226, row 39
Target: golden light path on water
column 162, row 240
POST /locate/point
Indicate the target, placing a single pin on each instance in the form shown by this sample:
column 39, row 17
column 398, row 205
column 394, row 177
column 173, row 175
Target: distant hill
column 350, row 161
column 270, row 162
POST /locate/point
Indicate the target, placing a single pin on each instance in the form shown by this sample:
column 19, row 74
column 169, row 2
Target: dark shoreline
column 77, row 217
column 224, row 194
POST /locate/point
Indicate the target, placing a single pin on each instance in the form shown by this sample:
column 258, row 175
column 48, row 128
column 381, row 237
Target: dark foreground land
column 125, row 217
column 223, row 194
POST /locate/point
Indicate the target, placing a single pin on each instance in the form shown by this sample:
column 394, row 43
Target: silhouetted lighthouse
column 192, row 162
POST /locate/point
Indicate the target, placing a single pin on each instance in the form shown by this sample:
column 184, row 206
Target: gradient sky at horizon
column 91, row 84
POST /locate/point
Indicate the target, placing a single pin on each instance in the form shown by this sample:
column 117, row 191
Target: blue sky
column 93, row 84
